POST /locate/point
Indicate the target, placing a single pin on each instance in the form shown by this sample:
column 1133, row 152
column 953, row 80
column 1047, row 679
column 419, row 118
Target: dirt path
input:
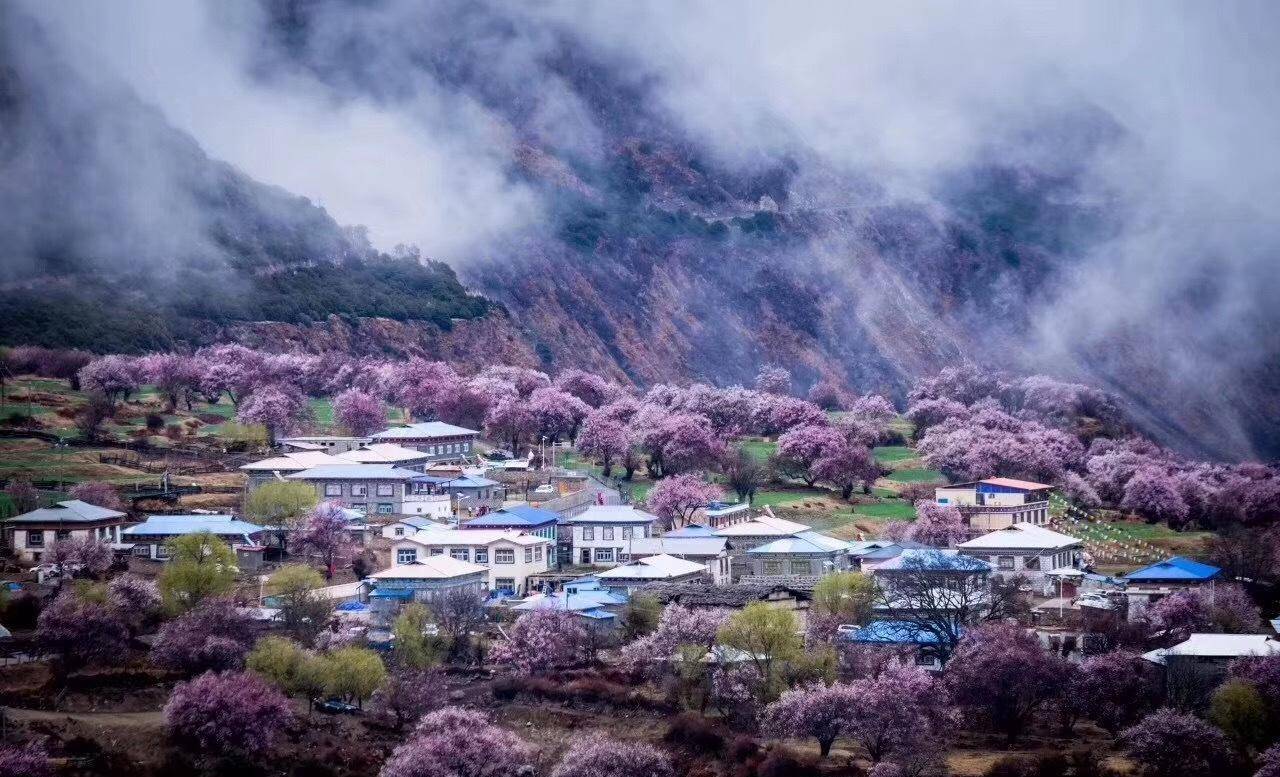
column 149, row 718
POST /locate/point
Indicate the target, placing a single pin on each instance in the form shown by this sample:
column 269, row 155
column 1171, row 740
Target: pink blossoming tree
column 821, row 712
column 459, row 743
column 542, row 640
column 1000, row 671
column 280, row 408
column 603, row 439
column 212, row 636
column 362, row 414
column 228, row 713
column 324, row 531
column 97, row 493
column 1168, row 743
column 599, row 756
column 677, row 498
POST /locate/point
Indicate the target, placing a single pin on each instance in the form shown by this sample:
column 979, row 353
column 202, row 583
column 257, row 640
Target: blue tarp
column 352, row 606
column 403, row 594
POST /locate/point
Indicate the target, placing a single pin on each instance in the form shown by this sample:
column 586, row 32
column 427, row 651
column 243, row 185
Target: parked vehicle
column 335, row 707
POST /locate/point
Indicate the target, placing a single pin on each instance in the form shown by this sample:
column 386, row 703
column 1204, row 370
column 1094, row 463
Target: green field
column 892, row 454
column 915, row 476
column 761, row 449
column 783, row 498
column 887, row 511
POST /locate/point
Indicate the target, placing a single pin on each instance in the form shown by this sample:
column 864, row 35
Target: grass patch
column 322, row 412
column 893, row 454
column 887, row 511
column 916, row 476
column 783, row 498
column 760, row 449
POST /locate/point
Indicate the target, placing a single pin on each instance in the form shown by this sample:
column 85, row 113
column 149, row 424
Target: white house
column 29, row 535
column 441, row 441
column 509, row 557
column 651, row 569
column 407, row 527
column 1025, row 549
column 710, row 551
column 149, row 537
column 601, row 533
column 995, row 503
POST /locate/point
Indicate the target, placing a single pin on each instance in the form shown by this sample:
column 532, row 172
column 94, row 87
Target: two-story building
column 31, row 534
column 327, row 443
column 803, row 554
column 277, row 468
column 441, row 441
column 387, row 453
column 688, row 544
column 1150, row 584
column 601, row 533
column 521, row 518
column 750, row 534
column 651, row 569
column 995, row 503
column 371, row 488
column 149, row 538
column 509, row 556
column 427, row 579
column 1027, row 550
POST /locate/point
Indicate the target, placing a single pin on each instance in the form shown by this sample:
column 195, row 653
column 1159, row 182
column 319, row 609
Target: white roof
column 613, row 514
column 345, row 471
column 382, row 453
column 764, row 526
column 423, row 430
column 677, row 546
column 430, row 568
column 292, row 462
column 659, row 567
column 802, row 542
column 450, row 537
column 1219, row 646
column 1021, row 535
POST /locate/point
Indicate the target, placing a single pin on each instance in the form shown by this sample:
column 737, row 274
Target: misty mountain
column 657, row 202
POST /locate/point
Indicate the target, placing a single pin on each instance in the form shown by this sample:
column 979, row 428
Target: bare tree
column 744, row 473
column 457, row 613
column 940, row 593
column 91, row 417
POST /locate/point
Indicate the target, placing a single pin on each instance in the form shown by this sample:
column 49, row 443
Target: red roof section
column 1011, row 483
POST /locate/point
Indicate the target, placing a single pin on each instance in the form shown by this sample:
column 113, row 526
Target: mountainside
column 655, row 256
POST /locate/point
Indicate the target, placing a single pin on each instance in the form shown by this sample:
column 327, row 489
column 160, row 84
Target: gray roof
column 69, row 511
column 423, row 430
column 705, row 595
column 164, row 525
column 677, row 546
column 803, row 542
column 355, row 472
column 612, row 514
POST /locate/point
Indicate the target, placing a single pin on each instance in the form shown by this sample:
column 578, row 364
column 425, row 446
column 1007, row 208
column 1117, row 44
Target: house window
column 528, row 555
column 923, row 659
column 504, row 556
column 482, row 555
column 162, row 552
column 333, row 489
column 385, row 508
column 801, row 567
column 1031, row 562
column 461, row 554
column 623, row 558
column 588, row 532
column 35, row 539
column 359, row 489
column 436, row 551
column 61, row 534
column 537, row 553
column 386, row 489
column 604, row 554
column 507, row 584
column 626, row 532
column 606, row 533
column 406, row 555
column 399, row 531
column 773, row 567
column 1005, row 562
column 358, row 506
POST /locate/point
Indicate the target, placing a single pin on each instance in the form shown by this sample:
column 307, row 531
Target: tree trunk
column 824, row 745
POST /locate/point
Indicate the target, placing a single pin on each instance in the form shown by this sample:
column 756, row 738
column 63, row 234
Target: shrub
column 695, row 732
column 229, row 713
column 155, row 422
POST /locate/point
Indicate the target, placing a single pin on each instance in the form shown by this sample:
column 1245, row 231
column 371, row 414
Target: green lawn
column 887, row 511
column 892, row 454
column 915, row 476
column 782, row 498
column 761, row 449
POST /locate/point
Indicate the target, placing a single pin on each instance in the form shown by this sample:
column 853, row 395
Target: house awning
column 1066, row 572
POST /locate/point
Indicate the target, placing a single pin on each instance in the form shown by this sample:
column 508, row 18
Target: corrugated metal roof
column 1021, row 535
column 430, row 568
column 355, row 472
column 67, row 511
column 933, row 560
column 383, row 453
column 292, row 462
column 692, row 530
column 1026, row 485
column 221, row 525
column 1219, row 646
column 893, row 633
column 763, row 526
column 659, row 567
column 677, row 546
column 613, row 514
column 1178, row 568
column 802, row 542
column 470, row 481
column 518, row 515
column 423, row 430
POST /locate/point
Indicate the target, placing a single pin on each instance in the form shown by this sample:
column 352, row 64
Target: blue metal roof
column 1177, row 568
column 692, row 530
column 222, row 525
column 404, row 594
column 893, row 633
column 598, row 615
column 520, row 515
column 933, row 560
column 470, row 481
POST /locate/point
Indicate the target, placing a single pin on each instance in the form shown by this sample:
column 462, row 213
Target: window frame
column 504, row 556
column 333, row 489
column 406, row 555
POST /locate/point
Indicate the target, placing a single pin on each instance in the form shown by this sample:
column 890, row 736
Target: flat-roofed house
column 441, row 441
column 149, row 537
column 510, row 557
column 276, row 468
column 720, row 514
column 995, row 503
column 1146, row 586
column 601, row 533
column 387, row 453
column 651, row 569
column 803, row 554
column 710, row 551
column 1026, row 549
column 31, row 534
column 372, row 488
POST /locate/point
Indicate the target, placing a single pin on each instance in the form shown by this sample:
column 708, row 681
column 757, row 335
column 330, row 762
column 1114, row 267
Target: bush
column 155, row 422
column 22, row 611
column 695, row 732
column 1052, row 765
column 587, row 690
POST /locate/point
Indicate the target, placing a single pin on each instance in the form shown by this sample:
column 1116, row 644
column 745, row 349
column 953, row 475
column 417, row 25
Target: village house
column 749, row 534
column 523, row 518
column 995, row 503
column 30, row 535
column 473, row 494
column 931, row 579
column 734, row 596
column 441, row 441
column 1149, row 585
column 327, row 443
column 898, row 639
column 373, row 488
column 509, row 556
column 601, row 533
column 1026, row 549
column 718, row 515
column 149, row 537
column 274, row 469
column 387, row 453
column 407, row 527
column 802, row 554
column 424, row 580
column 1193, row 668
column 687, row 543
column 651, row 569
column 865, row 556
column 585, row 597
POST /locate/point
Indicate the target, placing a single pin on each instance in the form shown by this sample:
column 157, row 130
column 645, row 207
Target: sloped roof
column 446, row 537
column 422, row 430
column 933, row 560
column 67, row 511
column 517, row 515
column 762, row 526
column 802, row 542
column 221, row 525
column 891, row 632
column 575, row 602
column 1025, row 485
column 692, row 530
column 1178, row 568
column 382, row 453
column 470, row 481
column 292, row 462
column 354, row 472
column 612, row 514
column 430, row 568
column 659, row 567
column 677, row 546
column 707, row 595
column 1219, row 646
column 1021, row 535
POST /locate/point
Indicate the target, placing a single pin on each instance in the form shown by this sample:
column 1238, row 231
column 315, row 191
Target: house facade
column 327, row 443
column 1027, row 550
column 710, row 551
column 372, row 488
column 440, row 441
column 508, row 557
column 751, row 534
column 276, row 468
column 601, row 534
column 407, row 527
column 149, row 538
column 995, row 503
column 390, row 589
column 30, row 535
column 804, row 554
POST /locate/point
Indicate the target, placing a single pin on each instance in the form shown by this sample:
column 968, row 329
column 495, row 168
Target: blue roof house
column 1149, row 585
column 899, row 638
column 530, row 520
column 150, row 536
